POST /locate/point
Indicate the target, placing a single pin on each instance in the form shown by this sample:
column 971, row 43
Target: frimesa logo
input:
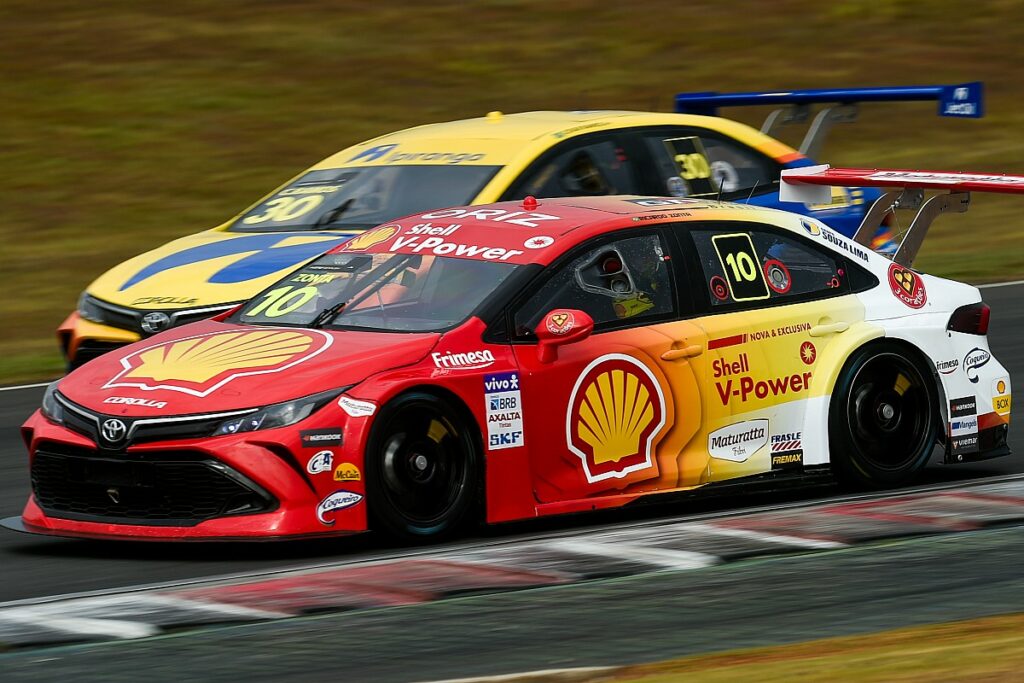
column 339, row 500
column 371, row 238
column 470, row 360
column 616, row 410
column 199, row 365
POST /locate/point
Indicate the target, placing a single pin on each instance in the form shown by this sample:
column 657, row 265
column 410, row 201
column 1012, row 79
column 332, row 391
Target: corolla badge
column 974, row 359
column 339, row 500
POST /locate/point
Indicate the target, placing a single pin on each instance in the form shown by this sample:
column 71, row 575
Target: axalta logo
column 525, row 219
column 616, row 410
column 745, row 388
column 975, row 359
column 469, row 360
column 388, row 155
column 143, row 402
column 737, row 442
column 202, row 364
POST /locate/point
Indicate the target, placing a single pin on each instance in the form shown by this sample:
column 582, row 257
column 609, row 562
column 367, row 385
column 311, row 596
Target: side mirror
column 560, row 327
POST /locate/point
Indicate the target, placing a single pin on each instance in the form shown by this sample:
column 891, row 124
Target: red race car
column 516, row 360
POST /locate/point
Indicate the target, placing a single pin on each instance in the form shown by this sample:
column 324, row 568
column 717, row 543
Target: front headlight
column 279, row 414
column 52, row 409
column 89, row 309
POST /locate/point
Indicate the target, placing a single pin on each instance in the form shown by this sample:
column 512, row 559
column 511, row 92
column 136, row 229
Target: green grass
column 129, row 123
column 990, row 649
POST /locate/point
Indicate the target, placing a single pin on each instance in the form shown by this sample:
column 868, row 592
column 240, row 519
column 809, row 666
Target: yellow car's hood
column 209, row 268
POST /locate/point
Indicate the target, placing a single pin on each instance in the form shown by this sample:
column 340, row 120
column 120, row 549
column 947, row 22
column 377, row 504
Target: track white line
column 659, row 557
column 798, row 541
column 1000, row 284
column 528, row 675
column 474, row 545
column 27, row 386
column 81, row 625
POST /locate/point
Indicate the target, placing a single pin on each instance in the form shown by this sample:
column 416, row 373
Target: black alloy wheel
column 423, row 469
column 882, row 418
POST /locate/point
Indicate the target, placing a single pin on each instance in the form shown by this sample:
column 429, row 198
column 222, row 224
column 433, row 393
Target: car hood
column 209, row 268
column 211, row 366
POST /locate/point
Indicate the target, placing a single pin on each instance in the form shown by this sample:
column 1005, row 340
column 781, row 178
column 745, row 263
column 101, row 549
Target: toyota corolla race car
column 524, row 359
column 473, row 162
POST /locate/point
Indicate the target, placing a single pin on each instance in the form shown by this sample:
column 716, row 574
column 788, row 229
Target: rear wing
column 961, row 101
column 813, row 184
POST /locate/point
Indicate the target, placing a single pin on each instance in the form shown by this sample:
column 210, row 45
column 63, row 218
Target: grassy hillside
column 128, row 123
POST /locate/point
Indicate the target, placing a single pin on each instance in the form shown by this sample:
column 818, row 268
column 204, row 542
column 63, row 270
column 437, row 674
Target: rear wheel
column 882, row 418
column 423, row 468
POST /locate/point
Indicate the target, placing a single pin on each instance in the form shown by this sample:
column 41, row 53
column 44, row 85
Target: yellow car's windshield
column 341, row 198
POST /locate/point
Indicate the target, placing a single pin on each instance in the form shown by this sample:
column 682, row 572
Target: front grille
column 87, row 423
column 172, row 488
column 127, row 318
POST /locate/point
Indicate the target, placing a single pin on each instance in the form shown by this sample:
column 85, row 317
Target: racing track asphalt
column 33, row 566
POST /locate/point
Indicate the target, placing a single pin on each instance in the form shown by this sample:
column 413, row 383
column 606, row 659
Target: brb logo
column 616, row 410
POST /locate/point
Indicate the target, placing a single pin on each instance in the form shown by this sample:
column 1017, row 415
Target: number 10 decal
column 741, row 266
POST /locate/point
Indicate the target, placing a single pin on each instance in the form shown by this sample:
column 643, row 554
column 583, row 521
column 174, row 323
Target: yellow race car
column 476, row 161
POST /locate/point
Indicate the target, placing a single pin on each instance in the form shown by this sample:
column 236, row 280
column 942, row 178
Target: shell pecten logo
column 616, row 410
column 199, row 365
column 371, row 238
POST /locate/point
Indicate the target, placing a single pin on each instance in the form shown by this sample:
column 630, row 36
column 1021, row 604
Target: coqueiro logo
column 974, row 359
column 339, row 500
column 470, row 360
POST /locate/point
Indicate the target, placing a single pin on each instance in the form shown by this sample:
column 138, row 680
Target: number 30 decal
column 740, row 263
column 285, row 209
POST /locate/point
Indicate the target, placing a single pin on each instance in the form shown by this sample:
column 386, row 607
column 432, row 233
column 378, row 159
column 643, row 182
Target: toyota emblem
column 113, row 430
column 155, row 322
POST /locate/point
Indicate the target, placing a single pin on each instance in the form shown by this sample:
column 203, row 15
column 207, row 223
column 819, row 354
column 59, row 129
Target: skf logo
column 200, row 365
column 616, row 410
column 371, row 238
column 374, row 153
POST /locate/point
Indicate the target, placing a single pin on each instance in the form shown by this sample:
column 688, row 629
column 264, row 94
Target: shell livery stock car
column 508, row 361
column 544, row 154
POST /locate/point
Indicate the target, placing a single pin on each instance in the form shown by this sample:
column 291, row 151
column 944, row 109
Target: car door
column 615, row 411
column 774, row 304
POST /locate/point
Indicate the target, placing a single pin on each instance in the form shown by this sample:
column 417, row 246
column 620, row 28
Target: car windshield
column 342, row 198
column 378, row 292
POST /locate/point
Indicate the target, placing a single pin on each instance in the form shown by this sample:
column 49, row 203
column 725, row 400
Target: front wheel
column 882, row 418
column 423, row 468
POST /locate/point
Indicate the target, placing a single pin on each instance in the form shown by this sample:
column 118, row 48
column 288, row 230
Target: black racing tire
column 423, row 469
column 883, row 417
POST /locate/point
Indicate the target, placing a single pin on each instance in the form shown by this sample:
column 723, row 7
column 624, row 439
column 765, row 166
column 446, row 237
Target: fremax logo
column 470, row 360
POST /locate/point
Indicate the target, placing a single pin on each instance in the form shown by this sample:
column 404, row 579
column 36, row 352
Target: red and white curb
column 554, row 559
